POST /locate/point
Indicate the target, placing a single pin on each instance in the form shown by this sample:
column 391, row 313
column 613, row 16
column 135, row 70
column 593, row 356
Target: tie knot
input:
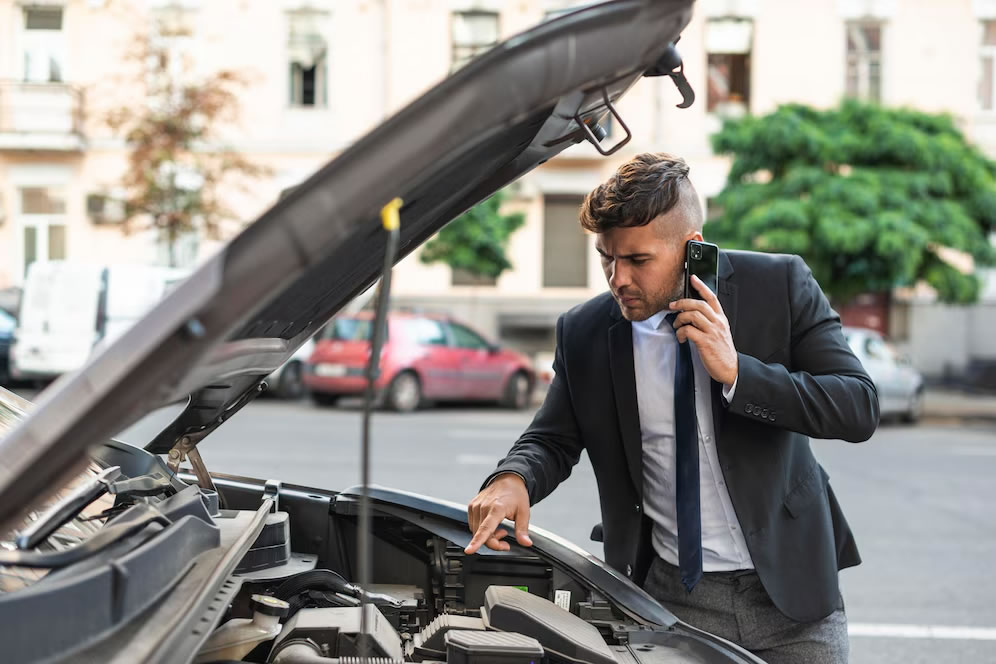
column 669, row 320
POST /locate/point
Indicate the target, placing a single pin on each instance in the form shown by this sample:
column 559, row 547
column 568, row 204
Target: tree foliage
column 868, row 196
column 175, row 167
column 476, row 240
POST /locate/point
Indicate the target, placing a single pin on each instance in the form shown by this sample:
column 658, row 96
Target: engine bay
column 136, row 563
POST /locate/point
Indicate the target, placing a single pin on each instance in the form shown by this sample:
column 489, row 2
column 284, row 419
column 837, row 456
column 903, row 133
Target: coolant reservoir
column 236, row 638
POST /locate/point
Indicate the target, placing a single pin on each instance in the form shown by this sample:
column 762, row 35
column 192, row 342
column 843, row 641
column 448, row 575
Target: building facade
column 323, row 72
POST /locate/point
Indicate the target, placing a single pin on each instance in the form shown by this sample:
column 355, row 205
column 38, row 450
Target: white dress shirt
column 655, row 350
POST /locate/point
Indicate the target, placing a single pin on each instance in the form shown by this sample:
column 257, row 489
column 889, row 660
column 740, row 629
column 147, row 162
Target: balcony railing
column 40, row 116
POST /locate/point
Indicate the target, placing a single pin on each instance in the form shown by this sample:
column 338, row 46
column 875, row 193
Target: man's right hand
column 505, row 498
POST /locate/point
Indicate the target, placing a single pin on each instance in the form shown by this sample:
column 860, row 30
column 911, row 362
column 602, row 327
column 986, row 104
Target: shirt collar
column 655, row 321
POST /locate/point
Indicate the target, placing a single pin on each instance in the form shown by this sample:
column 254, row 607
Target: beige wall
column 383, row 53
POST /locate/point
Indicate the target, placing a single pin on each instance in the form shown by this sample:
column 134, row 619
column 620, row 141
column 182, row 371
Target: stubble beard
column 649, row 306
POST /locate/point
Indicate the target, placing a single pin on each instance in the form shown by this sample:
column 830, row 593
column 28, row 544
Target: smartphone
column 702, row 260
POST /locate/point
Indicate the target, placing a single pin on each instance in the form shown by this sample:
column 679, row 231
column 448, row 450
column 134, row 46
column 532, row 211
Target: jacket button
column 771, row 417
column 629, row 570
column 757, row 410
column 637, row 508
column 764, row 413
column 749, row 407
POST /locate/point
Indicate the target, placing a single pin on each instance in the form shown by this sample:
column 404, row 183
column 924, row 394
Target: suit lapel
column 728, row 300
column 624, row 387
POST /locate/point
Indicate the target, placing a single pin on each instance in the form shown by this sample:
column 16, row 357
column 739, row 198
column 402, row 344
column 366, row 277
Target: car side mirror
column 494, row 349
column 596, row 533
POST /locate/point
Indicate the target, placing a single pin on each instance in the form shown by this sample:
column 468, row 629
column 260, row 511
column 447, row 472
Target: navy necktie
column 686, row 452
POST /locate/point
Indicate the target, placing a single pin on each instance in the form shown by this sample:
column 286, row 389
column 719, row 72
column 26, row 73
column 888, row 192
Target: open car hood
column 218, row 334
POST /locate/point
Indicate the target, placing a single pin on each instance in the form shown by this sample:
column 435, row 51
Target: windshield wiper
column 63, row 511
column 108, row 535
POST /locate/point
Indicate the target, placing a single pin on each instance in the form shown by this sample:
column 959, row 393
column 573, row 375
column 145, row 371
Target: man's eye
column 639, row 261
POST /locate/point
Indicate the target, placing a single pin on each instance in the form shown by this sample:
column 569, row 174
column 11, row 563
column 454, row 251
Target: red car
column 424, row 358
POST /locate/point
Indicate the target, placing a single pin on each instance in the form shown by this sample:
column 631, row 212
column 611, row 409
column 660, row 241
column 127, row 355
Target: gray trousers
column 735, row 606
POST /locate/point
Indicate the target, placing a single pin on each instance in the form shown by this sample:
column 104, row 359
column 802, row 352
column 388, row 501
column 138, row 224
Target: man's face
column 644, row 265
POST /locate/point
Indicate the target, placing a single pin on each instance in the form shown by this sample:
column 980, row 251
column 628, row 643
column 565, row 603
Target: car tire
column 518, row 391
column 291, row 383
column 915, row 411
column 404, row 394
column 324, row 398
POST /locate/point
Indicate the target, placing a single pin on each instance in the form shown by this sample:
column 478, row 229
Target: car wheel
column 518, row 391
column 291, row 383
column 915, row 411
column 324, row 399
column 404, row 394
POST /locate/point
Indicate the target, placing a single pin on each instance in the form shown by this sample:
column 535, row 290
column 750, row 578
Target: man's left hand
column 704, row 322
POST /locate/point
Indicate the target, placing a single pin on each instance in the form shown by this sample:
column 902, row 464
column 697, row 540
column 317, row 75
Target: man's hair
column 642, row 189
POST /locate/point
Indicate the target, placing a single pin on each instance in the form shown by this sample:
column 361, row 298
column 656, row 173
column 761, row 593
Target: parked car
column 287, row 380
column 7, row 325
column 424, row 358
column 112, row 552
column 69, row 307
column 899, row 384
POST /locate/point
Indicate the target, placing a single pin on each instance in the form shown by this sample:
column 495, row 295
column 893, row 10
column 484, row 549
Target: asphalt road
column 920, row 500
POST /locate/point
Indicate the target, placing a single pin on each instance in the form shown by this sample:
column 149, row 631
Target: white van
column 67, row 307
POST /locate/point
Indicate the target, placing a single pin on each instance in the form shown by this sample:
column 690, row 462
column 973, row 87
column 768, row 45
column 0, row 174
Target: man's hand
column 505, row 498
column 705, row 323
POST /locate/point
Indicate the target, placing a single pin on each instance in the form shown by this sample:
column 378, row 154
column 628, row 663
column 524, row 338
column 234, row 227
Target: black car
column 7, row 326
column 113, row 553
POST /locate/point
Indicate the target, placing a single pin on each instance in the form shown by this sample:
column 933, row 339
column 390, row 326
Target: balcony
column 41, row 116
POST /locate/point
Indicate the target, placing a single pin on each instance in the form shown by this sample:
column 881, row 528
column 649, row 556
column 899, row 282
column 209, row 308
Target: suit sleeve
column 827, row 394
column 550, row 447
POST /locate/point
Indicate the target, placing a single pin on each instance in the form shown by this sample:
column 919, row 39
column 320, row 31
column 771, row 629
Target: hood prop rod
column 391, row 220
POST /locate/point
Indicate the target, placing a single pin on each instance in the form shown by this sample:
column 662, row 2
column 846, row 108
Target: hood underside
column 239, row 316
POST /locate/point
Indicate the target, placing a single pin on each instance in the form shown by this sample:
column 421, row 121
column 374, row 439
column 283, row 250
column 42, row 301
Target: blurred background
column 136, row 138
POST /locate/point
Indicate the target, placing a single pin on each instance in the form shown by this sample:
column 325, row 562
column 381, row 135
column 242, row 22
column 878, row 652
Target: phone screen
column 702, row 260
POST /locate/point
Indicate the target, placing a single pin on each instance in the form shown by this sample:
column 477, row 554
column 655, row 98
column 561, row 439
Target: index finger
column 706, row 293
column 485, row 531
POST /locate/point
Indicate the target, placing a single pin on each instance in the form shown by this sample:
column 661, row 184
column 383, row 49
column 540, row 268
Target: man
column 696, row 415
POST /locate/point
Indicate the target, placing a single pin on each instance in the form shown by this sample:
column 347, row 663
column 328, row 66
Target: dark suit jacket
column 797, row 379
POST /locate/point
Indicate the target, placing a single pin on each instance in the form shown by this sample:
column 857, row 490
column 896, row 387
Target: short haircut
column 642, row 189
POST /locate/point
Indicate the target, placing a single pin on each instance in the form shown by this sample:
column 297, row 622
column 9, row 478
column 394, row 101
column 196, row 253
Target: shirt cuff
column 729, row 390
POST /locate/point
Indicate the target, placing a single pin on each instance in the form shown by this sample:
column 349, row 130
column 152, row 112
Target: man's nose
column 619, row 276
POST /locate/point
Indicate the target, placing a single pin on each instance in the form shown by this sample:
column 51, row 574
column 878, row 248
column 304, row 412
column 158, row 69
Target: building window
column 864, row 60
column 472, row 33
column 42, row 215
column 308, row 53
column 43, row 45
column 713, row 208
column 728, row 45
column 987, row 54
column 565, row 245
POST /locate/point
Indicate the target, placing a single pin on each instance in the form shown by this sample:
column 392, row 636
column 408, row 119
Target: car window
column 425, row 332
column 348, row 329
column 878, row 349
column 465, row 338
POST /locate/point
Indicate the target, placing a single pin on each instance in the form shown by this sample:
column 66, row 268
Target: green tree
column 475, row 242
column 175, row 167
column 869, row 196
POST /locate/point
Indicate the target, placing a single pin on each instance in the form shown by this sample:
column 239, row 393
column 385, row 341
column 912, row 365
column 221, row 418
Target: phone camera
column 696, row 251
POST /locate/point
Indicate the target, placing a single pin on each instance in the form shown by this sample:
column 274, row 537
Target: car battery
column 476, row 647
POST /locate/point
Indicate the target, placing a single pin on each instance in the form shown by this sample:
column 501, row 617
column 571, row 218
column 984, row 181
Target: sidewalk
column 947, row 404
